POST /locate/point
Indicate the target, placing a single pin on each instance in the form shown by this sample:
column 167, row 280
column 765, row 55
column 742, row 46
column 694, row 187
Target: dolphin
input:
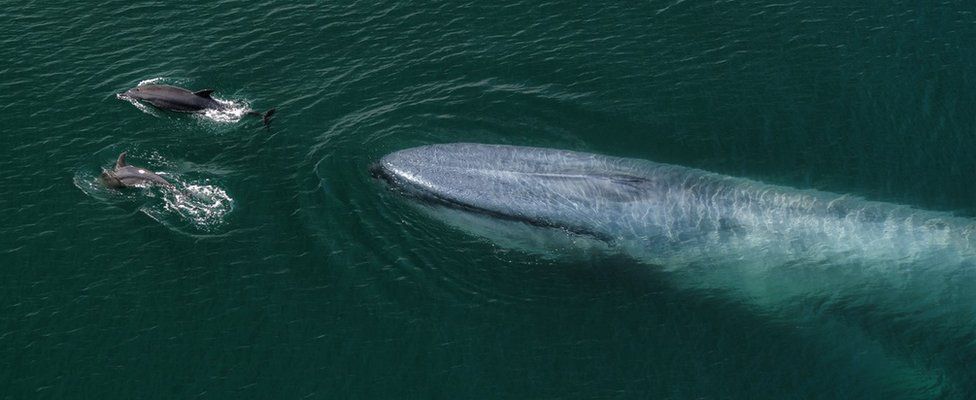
column 182, row 100
column 905, row 274
column 125, row 175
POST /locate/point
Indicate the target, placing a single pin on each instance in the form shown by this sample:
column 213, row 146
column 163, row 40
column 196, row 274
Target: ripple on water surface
column 341, row 192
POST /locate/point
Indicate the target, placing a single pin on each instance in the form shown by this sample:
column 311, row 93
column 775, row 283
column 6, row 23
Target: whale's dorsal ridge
column 121, row 161
column 205, row 93
column 614, row 187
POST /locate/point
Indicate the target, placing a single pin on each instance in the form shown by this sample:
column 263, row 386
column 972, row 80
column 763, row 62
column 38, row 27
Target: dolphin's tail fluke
column 267, row 117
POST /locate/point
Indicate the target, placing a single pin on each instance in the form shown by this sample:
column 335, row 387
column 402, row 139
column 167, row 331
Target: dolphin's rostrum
column 182, row 100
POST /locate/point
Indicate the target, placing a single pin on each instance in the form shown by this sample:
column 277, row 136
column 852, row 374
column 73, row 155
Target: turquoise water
column 284, row 271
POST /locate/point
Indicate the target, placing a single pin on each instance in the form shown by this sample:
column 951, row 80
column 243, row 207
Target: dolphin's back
column 131, row 176
column 172, row 98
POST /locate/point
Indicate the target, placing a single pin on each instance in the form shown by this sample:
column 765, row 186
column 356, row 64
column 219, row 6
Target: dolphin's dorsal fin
column 121, row 161
column 205, row 93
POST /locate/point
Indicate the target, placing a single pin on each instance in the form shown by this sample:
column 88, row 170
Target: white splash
column 204, row 206
column 229, row 113
column 151, row 81
column 142, row 107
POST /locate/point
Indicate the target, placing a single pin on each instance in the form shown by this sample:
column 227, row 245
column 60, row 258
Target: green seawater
column 283, row 270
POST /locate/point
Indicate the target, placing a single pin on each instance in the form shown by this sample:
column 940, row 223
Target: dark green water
column 289, row 273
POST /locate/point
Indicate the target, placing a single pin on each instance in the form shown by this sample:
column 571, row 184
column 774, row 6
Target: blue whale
column 900, row 280
column 667, row 214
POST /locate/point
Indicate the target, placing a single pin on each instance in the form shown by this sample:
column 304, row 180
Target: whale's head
column 577, row 192
column 439, row 173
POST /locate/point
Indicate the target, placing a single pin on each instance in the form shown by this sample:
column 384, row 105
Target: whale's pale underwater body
column 869, row 264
